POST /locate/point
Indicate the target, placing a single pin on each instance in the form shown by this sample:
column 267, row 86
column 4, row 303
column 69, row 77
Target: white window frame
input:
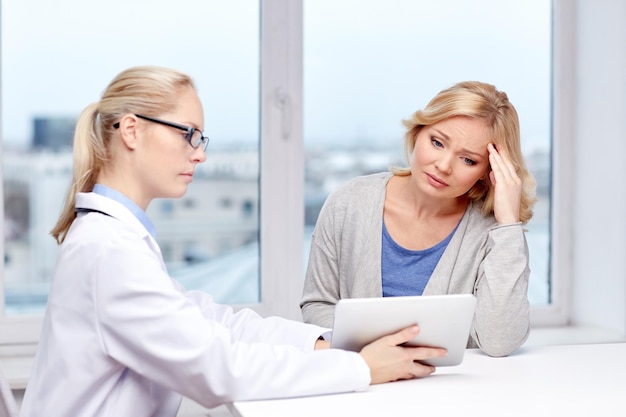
column 282, row 159
column 563, row 58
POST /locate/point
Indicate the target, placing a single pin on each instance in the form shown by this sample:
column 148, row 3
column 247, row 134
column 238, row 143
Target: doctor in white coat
column 120, row 337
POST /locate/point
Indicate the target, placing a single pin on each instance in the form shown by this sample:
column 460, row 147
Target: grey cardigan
column 482, row 258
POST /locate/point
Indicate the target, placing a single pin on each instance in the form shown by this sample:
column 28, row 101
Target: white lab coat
column 121, row 338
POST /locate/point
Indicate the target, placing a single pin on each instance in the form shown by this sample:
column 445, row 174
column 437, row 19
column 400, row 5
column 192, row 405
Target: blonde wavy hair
column 481, row 101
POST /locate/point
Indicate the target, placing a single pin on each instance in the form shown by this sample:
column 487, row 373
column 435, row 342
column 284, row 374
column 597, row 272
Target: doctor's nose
column 199, row 155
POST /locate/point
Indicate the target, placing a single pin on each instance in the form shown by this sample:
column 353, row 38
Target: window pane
column 369, row 64
column 56, row 62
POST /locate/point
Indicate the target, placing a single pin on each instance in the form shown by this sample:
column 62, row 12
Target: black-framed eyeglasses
column 194, row 136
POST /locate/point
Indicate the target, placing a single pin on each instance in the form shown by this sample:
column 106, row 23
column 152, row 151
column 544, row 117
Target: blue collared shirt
column 141, row 215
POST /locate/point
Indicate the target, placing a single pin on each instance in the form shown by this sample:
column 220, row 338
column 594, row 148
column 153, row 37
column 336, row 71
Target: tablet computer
column 444, row 321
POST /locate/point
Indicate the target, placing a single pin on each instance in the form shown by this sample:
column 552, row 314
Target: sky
column 367, row 64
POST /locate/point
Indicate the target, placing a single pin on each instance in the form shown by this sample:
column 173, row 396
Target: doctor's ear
column 127, row 127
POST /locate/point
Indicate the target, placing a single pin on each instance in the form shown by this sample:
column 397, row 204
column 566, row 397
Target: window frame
column 282, row 159
column 282, row 172
column 561, row 165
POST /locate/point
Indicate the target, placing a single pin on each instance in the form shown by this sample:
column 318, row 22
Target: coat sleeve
column 246, row 325
column 203, row 350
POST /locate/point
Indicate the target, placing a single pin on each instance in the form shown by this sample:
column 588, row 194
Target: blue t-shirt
column 406, row 272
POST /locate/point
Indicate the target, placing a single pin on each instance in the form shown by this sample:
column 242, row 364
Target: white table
column 566, row 380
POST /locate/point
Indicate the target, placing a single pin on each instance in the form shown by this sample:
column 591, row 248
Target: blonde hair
column 484, row 102
column 148, row 90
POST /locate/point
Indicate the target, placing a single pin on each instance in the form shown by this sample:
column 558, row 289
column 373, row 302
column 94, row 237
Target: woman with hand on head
column 122, row 338
column 449, row 223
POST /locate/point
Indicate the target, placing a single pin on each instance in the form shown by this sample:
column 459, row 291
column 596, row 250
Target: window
column 49, row 74
column 42, row 103
column 369, row 64
column 272, row 32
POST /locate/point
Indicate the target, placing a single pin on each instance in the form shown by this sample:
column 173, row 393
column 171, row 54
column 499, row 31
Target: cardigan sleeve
column 344, row 260
column 502, row 318
column 321, row 284
column 491, row 262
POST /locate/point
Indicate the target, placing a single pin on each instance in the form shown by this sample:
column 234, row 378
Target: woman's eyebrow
column 465, row 150
column 477, row 154
column 440, row 133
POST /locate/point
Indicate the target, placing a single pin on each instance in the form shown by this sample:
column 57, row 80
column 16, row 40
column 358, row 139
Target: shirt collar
column 141, row 215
